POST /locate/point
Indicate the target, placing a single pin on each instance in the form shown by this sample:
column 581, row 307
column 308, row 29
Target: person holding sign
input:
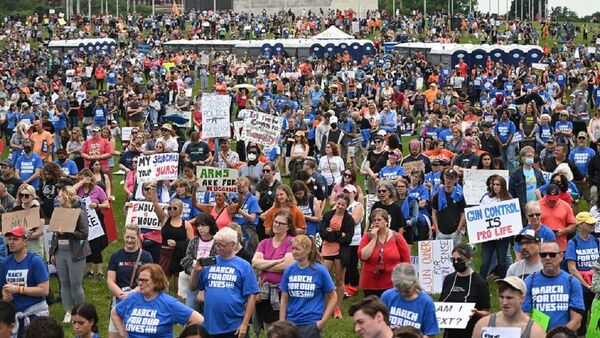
column 465, row 286
column 26, row 199
column 68, row 250
column 511, row 292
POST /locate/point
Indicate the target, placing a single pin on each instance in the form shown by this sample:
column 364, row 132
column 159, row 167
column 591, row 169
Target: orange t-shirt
column 297, row 216
column 333, row 248
column 557, row 218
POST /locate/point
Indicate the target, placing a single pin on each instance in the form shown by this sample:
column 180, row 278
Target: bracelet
column 21, row 289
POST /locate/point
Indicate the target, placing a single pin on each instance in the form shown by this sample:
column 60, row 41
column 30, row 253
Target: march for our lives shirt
column 27, row 166
column 581, row 158
column 553, row 296
column 31, row 271
column 306, row 288
column 154, row 318
column 419, row 312
column 227, row 286
column 583, row 252
column 249, row 205
column 391, row 173
column 504, row 130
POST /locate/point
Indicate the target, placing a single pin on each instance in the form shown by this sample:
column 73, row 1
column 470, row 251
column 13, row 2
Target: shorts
column 332, row 258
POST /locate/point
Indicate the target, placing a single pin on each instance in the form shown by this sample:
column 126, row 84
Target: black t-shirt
column 468, row 289
column 197, row 151
column 12, row 185
column 395, row 211
column 377, row 161
column 122, row 262
column 448, row 218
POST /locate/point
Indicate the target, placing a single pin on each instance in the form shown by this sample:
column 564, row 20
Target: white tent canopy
column 332, row 33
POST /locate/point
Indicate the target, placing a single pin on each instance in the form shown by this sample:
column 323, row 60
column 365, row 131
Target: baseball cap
column 585, row 217
column 515, row 283
column 333, row 119
column 155, row 126
column 17, row 232
column 95, row 128
column 436, row 161
column 582, row 134
column 6, row 163
column 61, row 151
column 550, row 139
column 451, row 173
column 167, row 126
column 552, row 192
column 350, row 188
column 528, row 234
column 512, row 106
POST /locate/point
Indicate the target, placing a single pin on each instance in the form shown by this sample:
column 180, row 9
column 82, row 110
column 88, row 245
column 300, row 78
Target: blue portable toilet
column 534, row 55
column 369, row 49
column 515, row 55
column 81, row 47
column 460, row 53
column 89, row 48
column 356, row 51
column 330, row 49
column 497, row 54
column 478, row 57
column 342, row 47
column 278, row 48
column 266, row 47
column 317, row 49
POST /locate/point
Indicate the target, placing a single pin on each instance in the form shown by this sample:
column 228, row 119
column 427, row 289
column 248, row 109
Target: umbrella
column 246, row 86
column 176, row 118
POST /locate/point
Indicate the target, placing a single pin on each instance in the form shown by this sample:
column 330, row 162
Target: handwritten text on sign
column 157, row 167
column 475, row 187
column 216, row 179
column 501, row 332
column 453, row 315
column 215, row 116
column 434, row 264
column 143, row 215
column 493, row 221
column 29, row 219
column 262, row 128
column 95, row 229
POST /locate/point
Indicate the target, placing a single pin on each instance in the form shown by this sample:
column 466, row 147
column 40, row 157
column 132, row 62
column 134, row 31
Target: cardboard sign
column 64, row 220
column 95, row 228
column 501, row 332
column 126, row 133
column 474, row 183
column 453, row 315
column 28, row 219
column 262, row 128
column 434, row 264
column 143, row 215
column 414, row 165
column 157, row 167
column 215, row 116
column 217, row 179
column 493, row 221
column 237, row 129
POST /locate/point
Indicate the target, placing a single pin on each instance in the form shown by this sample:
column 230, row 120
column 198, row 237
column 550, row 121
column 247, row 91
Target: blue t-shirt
column 27, row 166
column 154, row 318
column 391, row 173
column 31, row 271
column 419, row 312
column 189, row 211
column 100, row 114
column 68, row 167
column 544, row 232
column 553, row 296
column 445, row 135
column 249, row 205
column 306, row 288
column 227, row 286
column 583, row 252
column 545, row 132
column 504, row 130
column 581, row 158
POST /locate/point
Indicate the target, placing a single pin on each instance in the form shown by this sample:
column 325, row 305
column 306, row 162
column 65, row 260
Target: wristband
column 21, row 289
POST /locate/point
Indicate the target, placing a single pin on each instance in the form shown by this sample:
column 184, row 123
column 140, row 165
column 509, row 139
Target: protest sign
column 237, row 129
column 215, row 116
column 453, row 315
column 414, row 261
column 126, row 133
column 261, row 128
column 157, row 167
column 593, row 330
column 493, row 221
column 95, row 228
column 501, row 332
column 474, row 183
column 414, row 165
column 434, row 264
column 143, row 215
column 29, row 219
column 370, row 199
column 547, row 176
column 217, row 179
column 64, row 219
column 47, row 237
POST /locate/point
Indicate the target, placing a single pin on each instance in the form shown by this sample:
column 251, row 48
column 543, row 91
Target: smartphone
column 207, row 261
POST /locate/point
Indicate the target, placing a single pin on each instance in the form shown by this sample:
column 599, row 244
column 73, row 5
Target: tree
column 407, row 6
column 525, row 6
column 563, row 14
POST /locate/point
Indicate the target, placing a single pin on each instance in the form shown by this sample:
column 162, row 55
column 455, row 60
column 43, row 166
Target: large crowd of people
column 370, row 161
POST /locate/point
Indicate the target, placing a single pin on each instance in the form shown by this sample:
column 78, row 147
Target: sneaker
column 351, row 290
column 337, row 314
column 89, row 274
column 100, row 276
column 67, row 318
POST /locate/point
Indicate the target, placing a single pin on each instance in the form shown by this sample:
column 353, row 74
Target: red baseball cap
column 17, row 232
column 552, row 192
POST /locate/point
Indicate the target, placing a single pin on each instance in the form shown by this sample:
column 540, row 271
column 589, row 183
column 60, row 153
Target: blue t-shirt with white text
column 418, row 313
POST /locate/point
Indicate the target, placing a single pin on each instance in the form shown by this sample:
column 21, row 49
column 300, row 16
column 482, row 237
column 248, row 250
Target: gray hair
column 227, row 235
column 530, row 205
column 404, row 276
column 389, row 187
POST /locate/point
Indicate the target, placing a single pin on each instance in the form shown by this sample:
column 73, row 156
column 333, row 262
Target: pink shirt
column 271, row 253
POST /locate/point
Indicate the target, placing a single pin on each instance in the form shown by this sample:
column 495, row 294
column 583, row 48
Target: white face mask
column 251, row 157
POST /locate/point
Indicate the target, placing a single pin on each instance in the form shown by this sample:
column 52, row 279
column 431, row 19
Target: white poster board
column 262, row 128
column 216, row 179
column 370, row 199
column 95, row 228
column 474, row 183
column 143, row 215
column 157, row 167
column 453, row 315
column 434, row 263
column 493, row 221
column 501, row 332
column 126, row 133
column 215, row 116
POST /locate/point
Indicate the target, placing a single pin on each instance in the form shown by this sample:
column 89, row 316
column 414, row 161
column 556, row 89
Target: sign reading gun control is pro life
column 157, row 167
column 216, row 179
column 493, row 221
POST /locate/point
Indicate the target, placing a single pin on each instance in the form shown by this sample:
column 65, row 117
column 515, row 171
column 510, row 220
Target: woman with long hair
column 348, row 178
column 337, row 230
column 357, row 211
column 271, row 258
column 485, row 161
column 105, row 133
column 497, row 247
column 331, row 165
column 26, row 199
column 284, row 200
column 16, row 142
column 130, row 179
column 104, row 181
column 48, row 190
column 222, row 211
column 85, row 320
column 309, row 311
column 87, row 189
column 74, row 147
column 68, row 251
column 298, row 153
column 310, row 206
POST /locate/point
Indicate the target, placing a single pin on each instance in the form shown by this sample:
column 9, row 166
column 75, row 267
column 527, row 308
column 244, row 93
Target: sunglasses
column 24, row 195
column 537, row 214
column 171, row 208
column 266, row 170
column 147, row 189
column 551, row 254
column 347, row 175
column 382, row 191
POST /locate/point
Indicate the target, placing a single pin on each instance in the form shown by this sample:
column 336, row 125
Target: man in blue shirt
column 504, row 131
column 553, row 291
column 68, row 167
column 247, row 214
column 29, row 165
column 581, row 156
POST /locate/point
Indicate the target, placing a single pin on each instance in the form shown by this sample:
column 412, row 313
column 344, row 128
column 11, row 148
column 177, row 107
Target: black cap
column 529, row 234
column 155, row 126
column 451, row 173
column 6, row 163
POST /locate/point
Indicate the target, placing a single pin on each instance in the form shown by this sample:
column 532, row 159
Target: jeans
column 71, row 277
column 455, row 237
column 73, row 121
column 500, row 248
column 192, row 302
column 509, row 157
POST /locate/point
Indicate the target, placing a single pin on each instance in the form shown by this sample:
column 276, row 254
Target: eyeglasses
column 171, row 208
column 147, row 189
column 382, row 191
column 266, row 170
column 279, row 224
column 377, row 141
column 551, row 254
column 401, row 186
column 536, row 214
column 143, row 280
column 347, row 175
column 24, row 195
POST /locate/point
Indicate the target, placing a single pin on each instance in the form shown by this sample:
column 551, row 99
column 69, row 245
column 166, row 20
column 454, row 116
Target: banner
column 434, row 263
column 453, row 315
column 95, row 229
column 126, row 133
column 217, row 179
column 143, row 215
column 215, row 116
column 157, row 167
column 29, row 219
column 501, row 332
column 474, row 183
column 413, row 165
column 493, row 221
column 262, row 128
column 64, row 220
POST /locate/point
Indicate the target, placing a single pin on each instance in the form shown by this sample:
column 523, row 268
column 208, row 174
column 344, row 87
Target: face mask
column 529, row 160
column 460, row 267
column 251, row 157
column 27, row 149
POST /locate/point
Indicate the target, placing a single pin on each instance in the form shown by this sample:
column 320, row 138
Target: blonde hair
column 30, row 190
column 68, row 195
column 308, row 243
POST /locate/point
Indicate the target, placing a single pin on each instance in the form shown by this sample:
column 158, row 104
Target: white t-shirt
column 331, row 168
